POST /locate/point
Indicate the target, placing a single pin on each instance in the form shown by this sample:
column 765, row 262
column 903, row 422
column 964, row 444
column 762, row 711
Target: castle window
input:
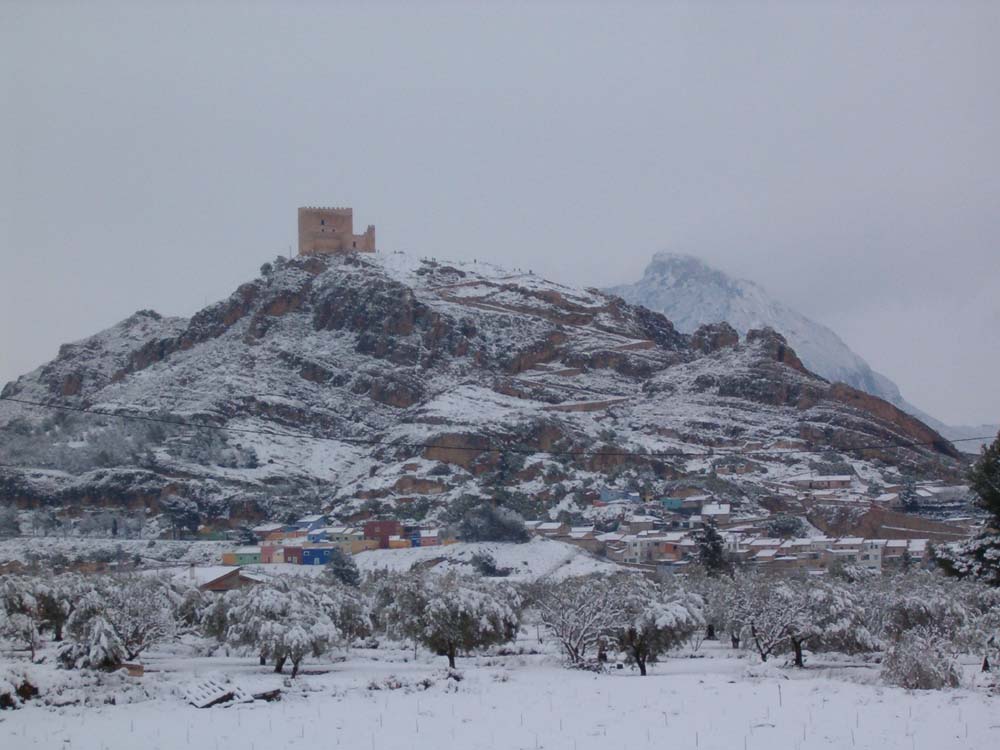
column 322, row 222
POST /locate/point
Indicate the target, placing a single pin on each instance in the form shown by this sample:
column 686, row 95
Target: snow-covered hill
column 373, row 382
column 691, row 294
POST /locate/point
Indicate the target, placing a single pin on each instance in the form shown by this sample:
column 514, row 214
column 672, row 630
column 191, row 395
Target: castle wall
column 331, row 230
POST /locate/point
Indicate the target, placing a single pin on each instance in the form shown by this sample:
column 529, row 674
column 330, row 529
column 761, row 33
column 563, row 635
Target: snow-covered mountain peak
column 691, row 293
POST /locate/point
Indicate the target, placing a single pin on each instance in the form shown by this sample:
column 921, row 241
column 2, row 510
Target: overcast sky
column 845, row 156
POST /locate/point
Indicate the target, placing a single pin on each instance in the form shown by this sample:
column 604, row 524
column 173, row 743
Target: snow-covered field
column 538, row 559
column 152, row 553
column 385, row 700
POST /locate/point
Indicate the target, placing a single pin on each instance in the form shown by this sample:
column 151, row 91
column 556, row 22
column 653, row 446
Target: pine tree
column 342, row 568
column 711, row 549
column 984, row 479
column 980, row 557
column 908, row 495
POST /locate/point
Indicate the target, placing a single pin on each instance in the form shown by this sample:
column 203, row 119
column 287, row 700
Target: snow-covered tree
column 725, row 606
column 139, row 611
column 213, row 617
column 655, row 620
column 350, row 610
column 580, row 612
column 764, row 615
column 979, row 558
column 984, row 480
column 830, row 620
column 450, row 613
column 925, row 600
column 19, row 613
column 284, row 620
column 189, row 603
column 57, row 597
column 982, row 633
column 115, row 619
column 784, row 526
column 342, row 568
column 921, row 659
column 92, row 642
column 791, row 614
column 399, row 605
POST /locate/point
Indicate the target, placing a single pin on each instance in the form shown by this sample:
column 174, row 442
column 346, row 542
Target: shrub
column 15, row 688
column 920, row 660
column 486, row 565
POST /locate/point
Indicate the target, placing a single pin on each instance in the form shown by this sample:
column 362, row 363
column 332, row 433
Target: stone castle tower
column 331, row 230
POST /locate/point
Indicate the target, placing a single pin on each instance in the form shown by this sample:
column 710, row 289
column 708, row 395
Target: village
column 660, row 534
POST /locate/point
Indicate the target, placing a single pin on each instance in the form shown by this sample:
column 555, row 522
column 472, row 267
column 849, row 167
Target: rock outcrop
column 348, row 380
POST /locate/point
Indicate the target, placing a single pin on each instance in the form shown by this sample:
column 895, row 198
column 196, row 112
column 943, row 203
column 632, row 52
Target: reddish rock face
column 776, row 346
column 461, row 450
column 911, row 426
column 713, row 337
column 418, row 486
column 72, row 384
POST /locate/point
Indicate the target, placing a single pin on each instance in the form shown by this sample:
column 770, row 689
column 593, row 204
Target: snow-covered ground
column 538, row 559
column 153, row 553
column 386, row 700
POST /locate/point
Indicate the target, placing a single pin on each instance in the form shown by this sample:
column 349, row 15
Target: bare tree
column 580, row 612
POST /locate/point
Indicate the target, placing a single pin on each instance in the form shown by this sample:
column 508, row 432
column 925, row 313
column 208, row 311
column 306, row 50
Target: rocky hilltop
column 369, row 382
column 691, row 293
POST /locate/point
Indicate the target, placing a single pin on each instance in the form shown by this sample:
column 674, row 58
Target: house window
column 354, row 244
column 322, row 222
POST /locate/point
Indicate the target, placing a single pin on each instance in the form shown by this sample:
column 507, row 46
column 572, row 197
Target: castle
column 331, row 230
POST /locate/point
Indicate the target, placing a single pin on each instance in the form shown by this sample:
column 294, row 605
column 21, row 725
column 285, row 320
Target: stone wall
column 331, row 230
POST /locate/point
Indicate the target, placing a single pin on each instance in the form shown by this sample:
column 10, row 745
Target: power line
column 426, row 445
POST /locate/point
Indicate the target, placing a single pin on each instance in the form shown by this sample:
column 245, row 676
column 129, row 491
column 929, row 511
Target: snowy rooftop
column 822, row 478
column 765, row 542
column 266, row 528
column 198, row 575
column 337, row 530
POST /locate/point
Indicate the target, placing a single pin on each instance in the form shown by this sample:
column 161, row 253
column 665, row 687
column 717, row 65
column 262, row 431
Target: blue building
column 308, row 523
column 316, row 555
column 672, row 503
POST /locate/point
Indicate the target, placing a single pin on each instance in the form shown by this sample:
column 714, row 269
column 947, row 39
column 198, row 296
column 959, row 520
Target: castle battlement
column 331, row 230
